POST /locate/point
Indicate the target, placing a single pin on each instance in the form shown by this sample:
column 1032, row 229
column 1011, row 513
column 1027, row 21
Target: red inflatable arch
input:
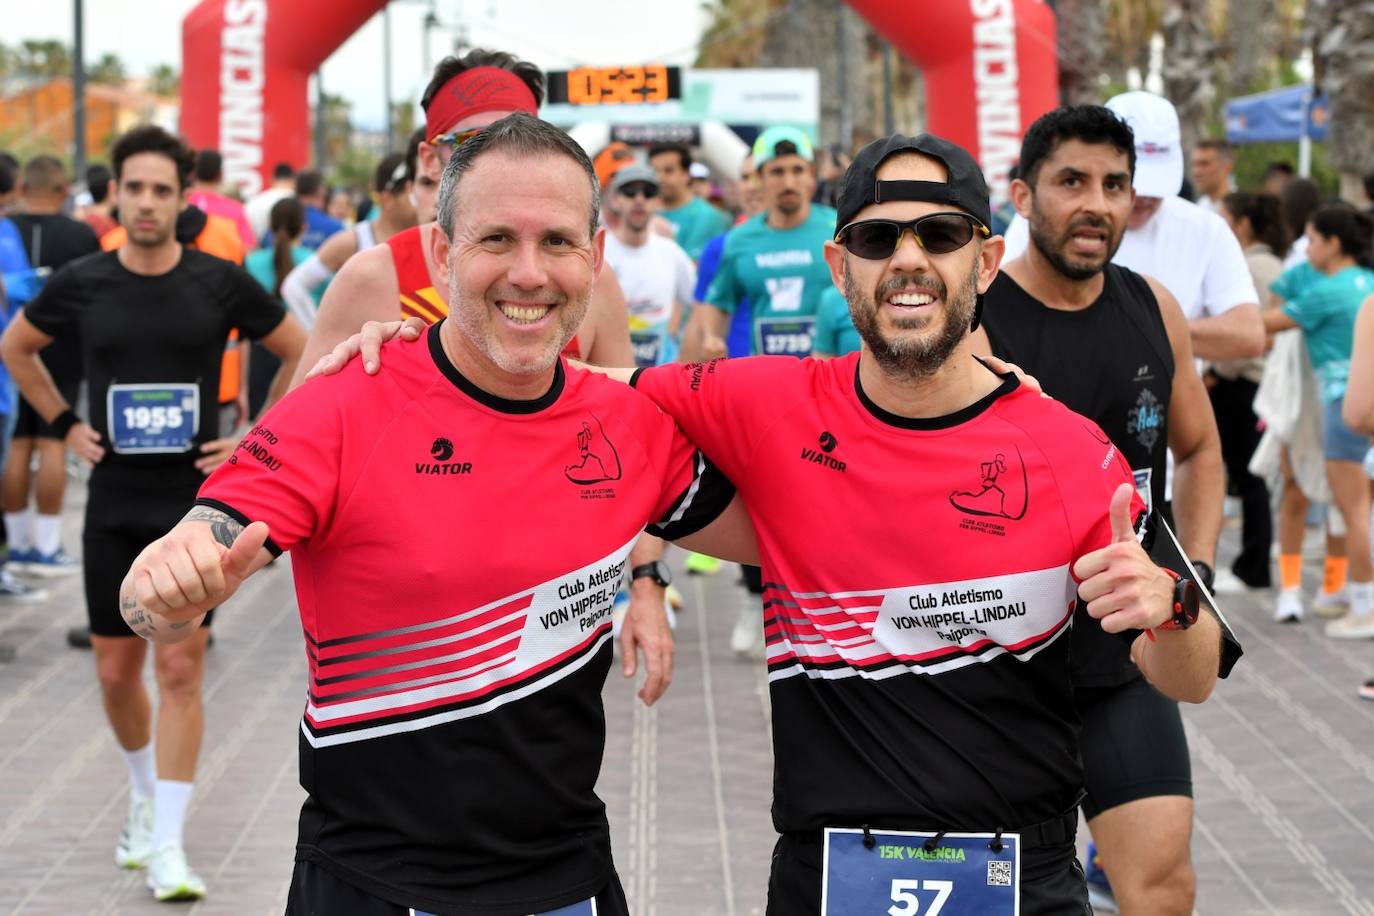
column 245, row 66
column 990, row 70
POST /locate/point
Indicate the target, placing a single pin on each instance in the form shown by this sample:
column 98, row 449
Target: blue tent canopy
column 1275, row 116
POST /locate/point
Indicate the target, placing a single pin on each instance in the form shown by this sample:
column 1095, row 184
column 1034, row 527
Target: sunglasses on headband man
column 938, row 233
column 452, row 140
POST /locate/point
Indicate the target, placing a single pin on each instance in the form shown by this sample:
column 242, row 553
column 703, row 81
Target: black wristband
column 63, row 423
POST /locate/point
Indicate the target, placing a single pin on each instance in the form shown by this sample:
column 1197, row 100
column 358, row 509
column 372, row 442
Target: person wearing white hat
column 1192, row 252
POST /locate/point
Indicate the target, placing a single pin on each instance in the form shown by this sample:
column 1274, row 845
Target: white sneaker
column 1351, row 627
column 135, row 844
column 1228, row 583
column 1288, row 608
column 1332, row 604
column 746, row 639
column 171, row 878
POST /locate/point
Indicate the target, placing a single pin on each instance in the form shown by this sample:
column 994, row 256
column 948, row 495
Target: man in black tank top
column 1114, row 346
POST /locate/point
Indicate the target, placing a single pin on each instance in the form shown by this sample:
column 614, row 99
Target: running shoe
column 746, row 640
column 171, row 878
column 20, row 558
column 1288, row 608
column 1099, row 889
column 1351, row 627
column 1367, row 689
column 1331, row 604
column 51, row 565
column 135, row 844
column 699, row 564
column 12, row 589
column 1228, row 583
column 674, row 597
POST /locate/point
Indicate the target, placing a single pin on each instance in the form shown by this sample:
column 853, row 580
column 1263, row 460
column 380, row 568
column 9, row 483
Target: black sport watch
column 657, row 570
column 1187, row 603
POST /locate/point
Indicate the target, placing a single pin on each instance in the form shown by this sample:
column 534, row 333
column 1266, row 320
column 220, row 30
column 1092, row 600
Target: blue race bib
column 648, row 347
column 152, row 419
column 898, row 876
column 784, row 336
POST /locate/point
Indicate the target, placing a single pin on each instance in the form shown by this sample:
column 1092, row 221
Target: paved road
column 1283, row 761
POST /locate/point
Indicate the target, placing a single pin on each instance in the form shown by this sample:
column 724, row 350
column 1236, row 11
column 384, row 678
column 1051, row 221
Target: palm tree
column 108, row 70
column 164, row 81
column 1082, row 28
column 1189, row 59
column 1343, row 36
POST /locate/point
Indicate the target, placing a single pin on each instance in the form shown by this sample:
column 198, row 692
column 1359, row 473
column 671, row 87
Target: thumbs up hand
column 188, row 572
column 1122, row 586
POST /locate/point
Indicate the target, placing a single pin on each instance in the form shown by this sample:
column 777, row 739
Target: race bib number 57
column 899, row 873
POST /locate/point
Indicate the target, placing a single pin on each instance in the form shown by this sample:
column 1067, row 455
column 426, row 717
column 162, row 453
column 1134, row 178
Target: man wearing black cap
column 925, row 741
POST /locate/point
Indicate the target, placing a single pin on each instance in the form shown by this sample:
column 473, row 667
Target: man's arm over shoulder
column 1198, row 479
column 724, row 405
column 364, row 290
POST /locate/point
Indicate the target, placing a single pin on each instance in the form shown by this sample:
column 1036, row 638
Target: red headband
column 474, row 91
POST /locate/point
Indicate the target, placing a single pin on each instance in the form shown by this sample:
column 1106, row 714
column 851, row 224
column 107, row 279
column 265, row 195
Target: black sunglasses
column 638, row 189
column 938, row 233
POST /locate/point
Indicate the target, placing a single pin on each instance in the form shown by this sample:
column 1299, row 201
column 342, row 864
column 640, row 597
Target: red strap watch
column 1187, row 603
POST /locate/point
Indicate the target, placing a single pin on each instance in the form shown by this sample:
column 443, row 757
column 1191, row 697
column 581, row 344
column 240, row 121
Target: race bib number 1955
column 152, row 419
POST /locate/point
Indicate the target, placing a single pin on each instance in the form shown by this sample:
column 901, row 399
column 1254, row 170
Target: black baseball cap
column 965, row 188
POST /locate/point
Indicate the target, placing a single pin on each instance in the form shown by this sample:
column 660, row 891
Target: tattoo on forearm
column 225, row 528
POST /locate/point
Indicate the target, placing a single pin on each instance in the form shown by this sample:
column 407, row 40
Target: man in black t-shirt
column 1114, row 346
column 151, row 319
column 51, row 240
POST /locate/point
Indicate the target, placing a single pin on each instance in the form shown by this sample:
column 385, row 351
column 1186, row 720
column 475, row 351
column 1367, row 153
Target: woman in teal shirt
column 1323, row 297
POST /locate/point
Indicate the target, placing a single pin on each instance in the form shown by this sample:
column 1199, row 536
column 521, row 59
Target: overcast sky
column 145, row 33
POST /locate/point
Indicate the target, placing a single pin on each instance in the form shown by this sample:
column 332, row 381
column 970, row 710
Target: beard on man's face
column 906, row 355
column 1052, row 246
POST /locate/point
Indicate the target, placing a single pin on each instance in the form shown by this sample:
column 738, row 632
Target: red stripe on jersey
column 450, row 698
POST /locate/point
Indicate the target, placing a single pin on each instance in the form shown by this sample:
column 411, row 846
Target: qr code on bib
column 999, row 873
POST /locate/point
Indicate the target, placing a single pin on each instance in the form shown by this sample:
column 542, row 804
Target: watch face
column 1187, row 600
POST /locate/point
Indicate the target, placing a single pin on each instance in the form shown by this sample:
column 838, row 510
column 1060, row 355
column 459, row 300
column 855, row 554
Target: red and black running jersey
column 455, row 557
column 918, row 593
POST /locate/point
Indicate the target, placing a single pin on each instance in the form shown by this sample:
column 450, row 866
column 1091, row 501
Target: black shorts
column 316, row 891
column 1051, row 880
column 120, row 522
column 1133, row 746
column 29, row 425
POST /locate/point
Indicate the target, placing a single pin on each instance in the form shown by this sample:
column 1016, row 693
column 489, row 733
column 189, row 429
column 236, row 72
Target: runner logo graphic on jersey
column 1001, row 492
column 597, row 459
column 827, row 442
column 442, row 451
column 1146, row 418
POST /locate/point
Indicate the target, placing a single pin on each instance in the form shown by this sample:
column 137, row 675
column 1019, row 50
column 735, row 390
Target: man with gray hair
column 454, row 728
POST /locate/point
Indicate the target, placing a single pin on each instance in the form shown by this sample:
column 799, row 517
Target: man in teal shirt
column 696, row 221
column 835, row 332
column 774, row 260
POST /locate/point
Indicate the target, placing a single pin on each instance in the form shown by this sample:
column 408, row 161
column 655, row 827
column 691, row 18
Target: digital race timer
column 634, row 85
